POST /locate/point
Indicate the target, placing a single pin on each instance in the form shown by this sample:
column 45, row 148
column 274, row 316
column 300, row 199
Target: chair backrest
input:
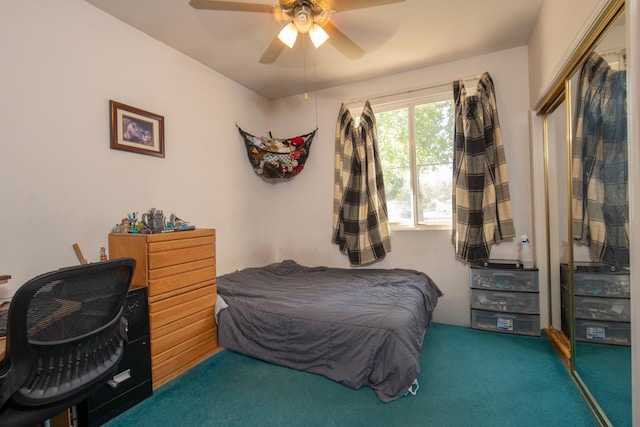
column 65, row 332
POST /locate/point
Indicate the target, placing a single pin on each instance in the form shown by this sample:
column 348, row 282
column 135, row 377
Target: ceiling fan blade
column 231, row 5
column 272, row 52
column 343, row 43
column 342, row 5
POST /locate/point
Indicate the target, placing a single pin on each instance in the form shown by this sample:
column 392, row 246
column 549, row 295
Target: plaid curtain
column 360, row 221
column 600, row 171
column 482, row 212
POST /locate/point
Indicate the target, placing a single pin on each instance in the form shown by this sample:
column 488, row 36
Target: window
column 416, row 150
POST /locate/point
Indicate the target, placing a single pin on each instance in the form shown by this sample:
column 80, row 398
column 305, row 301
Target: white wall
column 560, row 25
column 304, row 205
column 60, row 183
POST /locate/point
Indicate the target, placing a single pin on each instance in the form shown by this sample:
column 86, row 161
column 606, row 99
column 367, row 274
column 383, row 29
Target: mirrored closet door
column 585, row 132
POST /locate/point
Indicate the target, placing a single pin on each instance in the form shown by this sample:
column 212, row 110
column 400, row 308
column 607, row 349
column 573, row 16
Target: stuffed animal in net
column 277, row 158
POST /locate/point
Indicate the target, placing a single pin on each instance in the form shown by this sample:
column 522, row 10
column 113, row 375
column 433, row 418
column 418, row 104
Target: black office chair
column 65, row 337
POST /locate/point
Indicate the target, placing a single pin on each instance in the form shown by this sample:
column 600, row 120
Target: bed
column 359, row 327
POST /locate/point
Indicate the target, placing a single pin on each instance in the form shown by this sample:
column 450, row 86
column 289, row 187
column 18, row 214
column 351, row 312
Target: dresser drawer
column 180, row 348
column 615, row 309
column 173, row 244
column 618, row 333
column 181, row 324
column 516, row 302
column 597, row 280
column 169, row 365
column 610, row 285
column 172, row 270
column 169, row 340
column 180, row 256
column 171, row 309
column 181, row 298
column 512, row 323
column 504, row 280
column 161, row 280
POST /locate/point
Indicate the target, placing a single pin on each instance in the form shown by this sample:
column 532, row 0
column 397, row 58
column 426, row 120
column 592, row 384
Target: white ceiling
column 395, row 37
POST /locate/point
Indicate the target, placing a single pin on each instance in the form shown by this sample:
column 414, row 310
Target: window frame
column 410, row 103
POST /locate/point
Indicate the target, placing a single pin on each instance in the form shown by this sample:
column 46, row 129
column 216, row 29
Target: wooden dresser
column 179, row 269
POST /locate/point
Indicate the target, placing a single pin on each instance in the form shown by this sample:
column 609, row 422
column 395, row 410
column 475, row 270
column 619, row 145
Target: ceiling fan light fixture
column 318, row 35
column 288, row 34
column 303, row 19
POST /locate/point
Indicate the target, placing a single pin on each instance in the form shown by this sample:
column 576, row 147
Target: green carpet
column 606, row 370
column 468, row 378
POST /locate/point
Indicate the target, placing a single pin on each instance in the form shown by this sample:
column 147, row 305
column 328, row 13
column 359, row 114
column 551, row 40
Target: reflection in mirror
column 599, row 228
column 556, row 137
column 599, row 183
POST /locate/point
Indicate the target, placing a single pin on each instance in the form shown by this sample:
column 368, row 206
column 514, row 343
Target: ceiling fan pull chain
column 304, row 67
column 315, row 80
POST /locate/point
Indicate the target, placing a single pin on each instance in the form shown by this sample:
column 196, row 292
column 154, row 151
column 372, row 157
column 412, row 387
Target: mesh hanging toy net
column 277, row 158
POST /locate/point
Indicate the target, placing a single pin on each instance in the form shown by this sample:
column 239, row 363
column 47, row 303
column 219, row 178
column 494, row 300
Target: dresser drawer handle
column 504, row 275
column 119, row 378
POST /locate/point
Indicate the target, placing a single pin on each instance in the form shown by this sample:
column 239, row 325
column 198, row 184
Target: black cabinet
column 134, row 371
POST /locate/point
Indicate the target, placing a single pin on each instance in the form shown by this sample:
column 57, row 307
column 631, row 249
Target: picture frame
column 136, row 130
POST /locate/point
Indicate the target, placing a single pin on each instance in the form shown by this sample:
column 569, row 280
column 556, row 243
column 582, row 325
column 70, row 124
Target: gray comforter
column 360, row 327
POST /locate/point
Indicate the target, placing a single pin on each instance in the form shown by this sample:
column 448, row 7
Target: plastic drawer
column 597, row 280
column 617, row 333
column 511, row 323
column 615, row 309
column 504, row 280
column 609, row 285
column 516, row 302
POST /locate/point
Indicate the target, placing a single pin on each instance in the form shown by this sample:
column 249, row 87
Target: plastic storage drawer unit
column 602, row 306
column 505, row 299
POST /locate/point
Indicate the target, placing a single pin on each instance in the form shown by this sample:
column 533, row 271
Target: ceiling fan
column 304, row 17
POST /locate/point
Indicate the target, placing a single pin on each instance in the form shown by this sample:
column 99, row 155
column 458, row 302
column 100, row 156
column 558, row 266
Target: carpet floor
column 468, row 378
column 606, row 370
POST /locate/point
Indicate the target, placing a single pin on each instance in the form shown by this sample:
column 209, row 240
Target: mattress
column 359, row 327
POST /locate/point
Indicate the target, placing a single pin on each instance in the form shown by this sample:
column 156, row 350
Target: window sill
column 433, row 227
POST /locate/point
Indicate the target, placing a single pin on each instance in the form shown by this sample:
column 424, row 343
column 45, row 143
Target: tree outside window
column 416, row 150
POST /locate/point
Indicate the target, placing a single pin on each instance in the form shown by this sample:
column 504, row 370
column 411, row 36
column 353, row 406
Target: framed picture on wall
column 136, row 130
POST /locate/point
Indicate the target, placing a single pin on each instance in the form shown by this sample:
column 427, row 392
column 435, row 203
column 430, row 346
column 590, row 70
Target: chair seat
column 13, row 415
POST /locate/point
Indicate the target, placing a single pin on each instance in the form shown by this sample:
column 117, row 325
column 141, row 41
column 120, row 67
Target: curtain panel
column 360, row 220
column 482, row 214
column 600, row 201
